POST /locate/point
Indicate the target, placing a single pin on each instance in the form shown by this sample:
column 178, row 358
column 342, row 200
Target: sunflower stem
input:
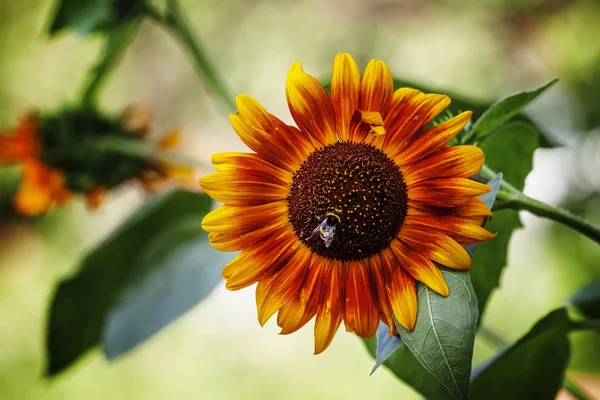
column 514, row 199
column 177, row 23
column 113, row 47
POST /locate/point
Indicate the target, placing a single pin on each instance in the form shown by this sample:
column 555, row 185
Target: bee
column 326, row 229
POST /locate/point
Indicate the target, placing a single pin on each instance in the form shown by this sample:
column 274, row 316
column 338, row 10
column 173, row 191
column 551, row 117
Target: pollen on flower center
column 359, row 184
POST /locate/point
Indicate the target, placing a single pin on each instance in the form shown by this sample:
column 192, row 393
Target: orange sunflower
column 339, row 217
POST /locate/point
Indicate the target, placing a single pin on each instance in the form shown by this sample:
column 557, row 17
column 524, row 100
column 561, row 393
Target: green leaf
column 587, row 300
column 441, row 365
column 402, row 363
column 444, row 334
column 172, row 274
column 510, row 150
column 82, row 303
column 532, row 368
column 504, row 110
column 90, row 16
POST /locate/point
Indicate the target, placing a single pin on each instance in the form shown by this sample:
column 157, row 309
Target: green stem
column 176, row 21
column 113, row 47
column 513, row 198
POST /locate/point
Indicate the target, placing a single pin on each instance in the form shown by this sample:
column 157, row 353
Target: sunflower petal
column 434, row 245
column 382, row 274
column 361, row 314
column 266, row 145
column 400, row 291
column 376, row 86
column 420, row 268
column 330, row 313
column 446, row 192
column 286, row 284
column 455, row 161
column 413, row 115
column 463, row 231
column 236, row 219
column 345, row 86
column 310, row 106
column 432, row 140
column 296, row 313
column 244, row 187
column 262, row 261
column 248, row 161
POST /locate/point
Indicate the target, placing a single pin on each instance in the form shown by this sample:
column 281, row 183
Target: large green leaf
column 509, row 150
column 532, row 368
column 587, row 300
column 172, row 274
column 444, row 334
column 82, row 303
column 504, row 110
column 438, row 365
column 85, row 17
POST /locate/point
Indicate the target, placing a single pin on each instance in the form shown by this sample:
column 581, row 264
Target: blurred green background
column 483, row 50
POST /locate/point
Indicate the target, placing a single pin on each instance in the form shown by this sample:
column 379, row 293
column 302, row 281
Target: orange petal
column 330, row 314
column 290, row 140
column 474, row 207
column 249, row 161
column 41, row 187
column 400, row 291
column 345, row 86
column 381, row 274
column 244, row 187
column 310, row 106
column 361, row 314
column 236, row 219
column 434, row 245
column 265, row 144
column 261, row 261
column 465, row 232
column 461, row 161
column 240, row 241
column 297, row 312
column 420, row 268
column 432, row 140
column 410, row 114
column 95, row 198
column 446, row 192
column 376, row 87
column 285, row 285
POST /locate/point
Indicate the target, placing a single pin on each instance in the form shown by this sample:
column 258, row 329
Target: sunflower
column 338, row 217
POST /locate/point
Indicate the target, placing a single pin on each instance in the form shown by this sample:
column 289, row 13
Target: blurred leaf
column 444, row 334
column 504, row 110
column 82, row 303
column 10, row 179
column 172, row 274
column 509, row 150
column 403, row 363
column 587, row 300
column 89, row 16
column 532, row 368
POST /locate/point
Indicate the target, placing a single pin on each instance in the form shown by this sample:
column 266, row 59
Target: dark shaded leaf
column 172, row 274
column 89, row 16
column 587, row 300
column 81, row 303
column 532, row 368
column 509, row 150
column 504, row 110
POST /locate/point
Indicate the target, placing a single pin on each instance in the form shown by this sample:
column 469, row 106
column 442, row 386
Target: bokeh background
column 482, row 50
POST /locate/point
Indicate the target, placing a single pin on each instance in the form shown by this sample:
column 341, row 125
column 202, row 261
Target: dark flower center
column 347, row 201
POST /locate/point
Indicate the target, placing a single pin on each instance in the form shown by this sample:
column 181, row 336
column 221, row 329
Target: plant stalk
column 514, row 199
column 177, row 23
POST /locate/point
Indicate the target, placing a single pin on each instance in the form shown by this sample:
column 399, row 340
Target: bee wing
column 328, row 240
column 317, row 230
